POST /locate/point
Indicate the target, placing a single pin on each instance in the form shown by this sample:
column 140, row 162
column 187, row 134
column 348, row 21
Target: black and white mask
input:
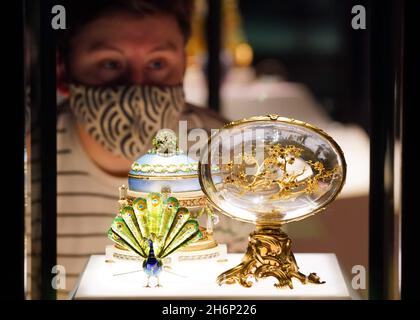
column 124, row 119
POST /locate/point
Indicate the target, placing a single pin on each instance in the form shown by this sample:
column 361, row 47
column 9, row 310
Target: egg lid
column 165, row 159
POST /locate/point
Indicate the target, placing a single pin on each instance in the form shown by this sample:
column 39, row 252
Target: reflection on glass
column 272, row 171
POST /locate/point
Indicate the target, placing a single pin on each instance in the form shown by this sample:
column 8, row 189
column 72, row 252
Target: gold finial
column 165, row 142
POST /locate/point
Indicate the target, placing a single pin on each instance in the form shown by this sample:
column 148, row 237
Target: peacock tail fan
column 120, row 227
column 170, row 208
column 140, row 210
column 127, row 213
column 181, row 217
column 117, row 239
column 154, row 213
column 189, row 233
column 154, row 218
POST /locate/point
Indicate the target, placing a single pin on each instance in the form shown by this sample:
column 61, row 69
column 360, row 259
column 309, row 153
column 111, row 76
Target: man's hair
column 81, row 12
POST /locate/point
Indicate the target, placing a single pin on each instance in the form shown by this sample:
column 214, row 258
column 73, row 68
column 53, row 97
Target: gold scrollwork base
column 268, row 255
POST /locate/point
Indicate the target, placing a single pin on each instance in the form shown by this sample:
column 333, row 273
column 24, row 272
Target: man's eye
column 111, row 65
column 156, row 65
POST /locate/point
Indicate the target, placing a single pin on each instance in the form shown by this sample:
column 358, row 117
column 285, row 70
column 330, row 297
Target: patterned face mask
column 124, row 119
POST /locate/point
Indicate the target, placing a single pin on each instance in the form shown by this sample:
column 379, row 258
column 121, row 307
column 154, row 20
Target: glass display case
column 321, row 212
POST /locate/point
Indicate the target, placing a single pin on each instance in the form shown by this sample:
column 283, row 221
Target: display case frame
column 393, row 220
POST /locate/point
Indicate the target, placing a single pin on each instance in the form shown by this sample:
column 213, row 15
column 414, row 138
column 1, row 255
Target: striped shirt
column 86, row 202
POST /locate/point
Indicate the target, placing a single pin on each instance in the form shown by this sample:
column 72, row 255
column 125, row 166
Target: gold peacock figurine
column 154, row 227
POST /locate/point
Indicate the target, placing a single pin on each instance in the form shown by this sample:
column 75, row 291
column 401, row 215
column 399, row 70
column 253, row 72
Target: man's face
column 122, row 48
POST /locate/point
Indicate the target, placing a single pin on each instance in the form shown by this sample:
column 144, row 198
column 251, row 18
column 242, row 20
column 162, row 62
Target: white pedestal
column 197, row 280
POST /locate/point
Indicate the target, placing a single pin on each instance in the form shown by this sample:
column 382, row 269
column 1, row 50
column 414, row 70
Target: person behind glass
column 120, row 68
column 126, row 44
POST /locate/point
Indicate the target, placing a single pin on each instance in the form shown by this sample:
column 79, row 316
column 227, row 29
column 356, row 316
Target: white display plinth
column 197, row 280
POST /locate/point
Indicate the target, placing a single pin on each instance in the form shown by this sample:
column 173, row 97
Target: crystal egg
column 270, row 170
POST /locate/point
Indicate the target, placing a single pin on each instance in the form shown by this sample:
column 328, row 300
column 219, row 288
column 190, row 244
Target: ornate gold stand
column 268, row 255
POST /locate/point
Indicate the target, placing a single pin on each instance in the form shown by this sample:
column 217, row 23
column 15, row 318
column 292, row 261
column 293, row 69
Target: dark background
column 317, row 46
